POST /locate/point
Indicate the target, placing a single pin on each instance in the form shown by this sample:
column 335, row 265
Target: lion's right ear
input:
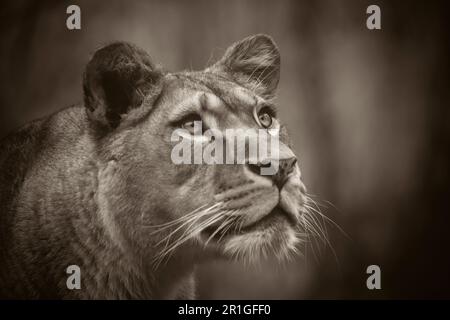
column 254, row 62
column 120, row 83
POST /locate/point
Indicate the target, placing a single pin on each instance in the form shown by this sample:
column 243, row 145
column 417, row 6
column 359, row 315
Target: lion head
column 169, row 209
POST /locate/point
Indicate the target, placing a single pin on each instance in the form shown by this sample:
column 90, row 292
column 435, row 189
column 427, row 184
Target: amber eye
column 265, row 119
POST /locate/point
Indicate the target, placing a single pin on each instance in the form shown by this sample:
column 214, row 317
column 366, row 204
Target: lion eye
column 265, row 119
column 189, row 122
column 188, row 125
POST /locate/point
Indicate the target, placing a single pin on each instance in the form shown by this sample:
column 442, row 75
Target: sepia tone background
column 367, row 110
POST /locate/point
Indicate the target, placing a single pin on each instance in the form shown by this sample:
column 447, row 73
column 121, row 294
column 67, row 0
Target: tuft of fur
column 254, row 62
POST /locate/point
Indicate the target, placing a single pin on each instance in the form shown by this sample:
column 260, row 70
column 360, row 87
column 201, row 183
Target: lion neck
column 123, row 267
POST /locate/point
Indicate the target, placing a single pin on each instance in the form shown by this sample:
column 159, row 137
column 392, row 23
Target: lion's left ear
column 120, row 83
column 253, row 62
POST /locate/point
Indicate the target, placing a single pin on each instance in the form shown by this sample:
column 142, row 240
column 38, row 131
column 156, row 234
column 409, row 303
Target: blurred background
column 367, row 111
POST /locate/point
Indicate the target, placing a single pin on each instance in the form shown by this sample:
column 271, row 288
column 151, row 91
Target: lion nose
column 285, row 167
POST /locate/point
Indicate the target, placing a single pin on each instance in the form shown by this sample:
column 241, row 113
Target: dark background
column 367, row 110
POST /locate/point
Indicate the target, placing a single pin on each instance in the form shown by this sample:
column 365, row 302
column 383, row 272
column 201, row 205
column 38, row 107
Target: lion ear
column 253, row 62
column 120, row 78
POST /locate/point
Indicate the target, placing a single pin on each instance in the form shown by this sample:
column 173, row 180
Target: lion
column 94, row 186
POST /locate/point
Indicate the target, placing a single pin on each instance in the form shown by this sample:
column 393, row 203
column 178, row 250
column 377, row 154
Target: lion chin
column 275, row 235
column 271, row 225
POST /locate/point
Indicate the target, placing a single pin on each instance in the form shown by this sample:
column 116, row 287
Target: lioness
column 94, row 185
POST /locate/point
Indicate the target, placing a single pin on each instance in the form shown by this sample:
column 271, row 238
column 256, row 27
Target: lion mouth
column 277, row 215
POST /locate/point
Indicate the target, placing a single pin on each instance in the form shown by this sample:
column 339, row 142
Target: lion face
column 231, row 206
column 232, row 209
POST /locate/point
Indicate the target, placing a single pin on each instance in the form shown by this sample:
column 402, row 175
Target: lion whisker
column 225, row 230
column 324, row 217
column 188, row 234
column 190, row 222
column 191, row 218
column 222, row 225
